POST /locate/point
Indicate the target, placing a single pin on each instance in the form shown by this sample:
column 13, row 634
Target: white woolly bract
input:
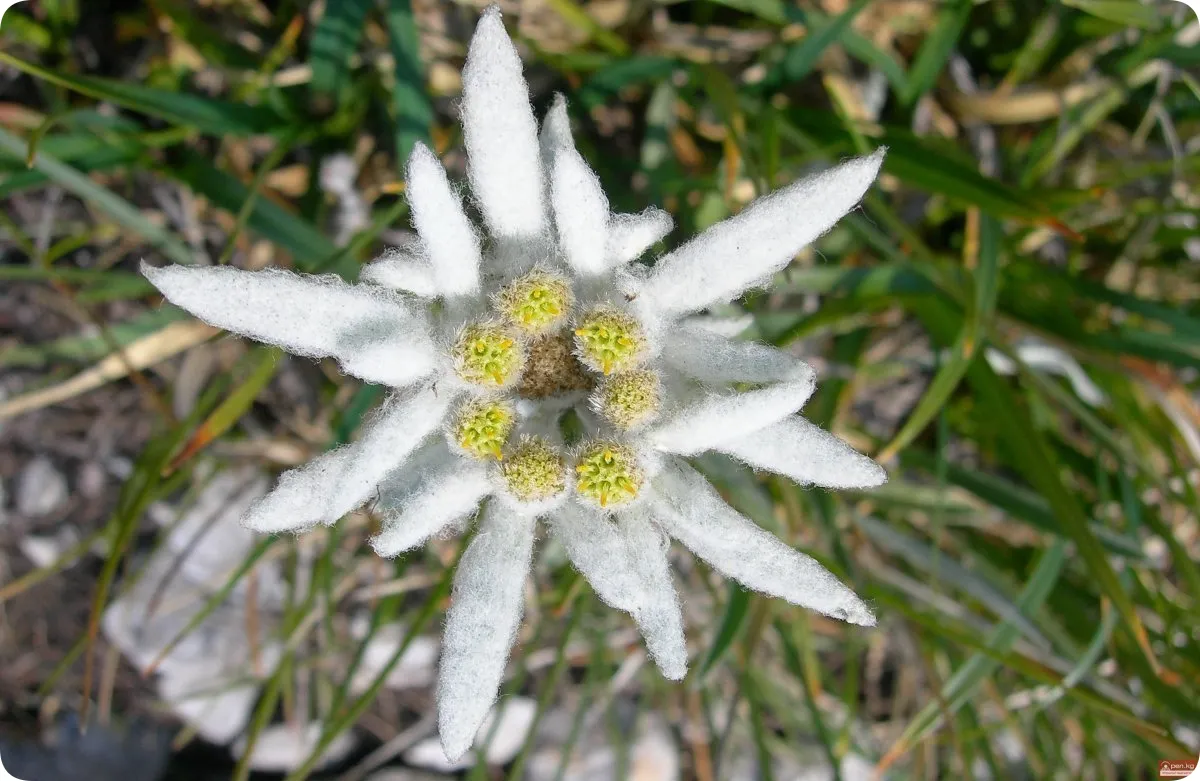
column 437, row 213
column 399, row 270
column 624, row 559
column 443, row 496
column 692, row 512
column 367, row 329
column 501, row 134
column 556, row 131
column 336, row 482
column 710, row 357
column 580, row 212
column 739, row 252
column 630, row 235
column 808, row 454
column 704, row 424
column 482, row 623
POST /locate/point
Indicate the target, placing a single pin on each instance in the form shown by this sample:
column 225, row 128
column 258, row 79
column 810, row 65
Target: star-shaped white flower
column 491, row 338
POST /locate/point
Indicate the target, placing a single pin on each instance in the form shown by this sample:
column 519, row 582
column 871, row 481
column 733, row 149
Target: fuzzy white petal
column 399, row 270
column 333, row 484
column 806, row 453
column 711, row 357
column 501, row 134
column 482, row 624
column 660, row 618
column 580, row 212
column 630, row 235
column 367, row 329
column 442, row 497
column 437, row 213
column 556, row 131
column 624, row 559
column 714, row 419
column 692, row 512
column 746, row 249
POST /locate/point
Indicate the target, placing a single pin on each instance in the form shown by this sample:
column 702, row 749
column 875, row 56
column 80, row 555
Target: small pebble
column 41, row 488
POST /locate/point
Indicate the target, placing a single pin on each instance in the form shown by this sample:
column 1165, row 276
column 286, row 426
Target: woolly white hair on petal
column 735, row 254
column 692, row 512
column 660, row 619
column 556, row 131
column 501, row 134
column 580, row 212
column 333, row 484
column 399, row 270
column 710, row 357
column 367, row 329
column 482, row 624
column 630, row 235
column 448, row 236
column 621, row 560
column 704, row 424
column 443, row 497
column 807, row 454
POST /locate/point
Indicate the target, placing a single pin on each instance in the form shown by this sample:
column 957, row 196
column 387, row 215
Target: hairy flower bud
column 486, row 354
column 535, row 303
column 534, row 470
column 608, row 474
column 482, row 427
column 628, row 399
column 608, row 340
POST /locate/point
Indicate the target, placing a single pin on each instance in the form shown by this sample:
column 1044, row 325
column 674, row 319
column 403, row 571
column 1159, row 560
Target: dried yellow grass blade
column 138, row 355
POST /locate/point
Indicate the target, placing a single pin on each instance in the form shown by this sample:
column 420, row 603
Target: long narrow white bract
column 501, row 134
column 443, row 496
column 580, row 212
column 437, row 213
column 482, row 624
column 341, row 480
column 660, row 618
column 367, row 329
column 556, row 131
column 598, row 551
column 630, row 235
column 400, row 270
column 711, row 357
column 704, row 424
column 693, row 513
column 806, row 453
column 747, row 248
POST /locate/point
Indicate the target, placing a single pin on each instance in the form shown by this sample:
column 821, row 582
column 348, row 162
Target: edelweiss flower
column 492, row 344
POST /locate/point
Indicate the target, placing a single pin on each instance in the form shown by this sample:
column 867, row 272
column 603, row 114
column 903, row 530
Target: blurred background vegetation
column 1010, row 323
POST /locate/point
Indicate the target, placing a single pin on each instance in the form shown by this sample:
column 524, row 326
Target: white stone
column 281, row 748
column 516, row 717
column 41, row 488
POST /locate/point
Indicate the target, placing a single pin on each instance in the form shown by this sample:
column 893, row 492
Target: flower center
column 482, row 428
column 628, row 399
column 485, row 354
column 534, row 470
column 609, row 340
column 535, row 303
column 552, row 369
column 608, row 474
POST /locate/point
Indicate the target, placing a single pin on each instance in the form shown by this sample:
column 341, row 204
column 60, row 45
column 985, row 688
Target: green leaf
column 207, row 115
column 413, row 112
column 732, row 621
column 1129, row 13
column 334, row 41
column 267, row 218
column 936, row 49
column 801, row 56
column 120, row 210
